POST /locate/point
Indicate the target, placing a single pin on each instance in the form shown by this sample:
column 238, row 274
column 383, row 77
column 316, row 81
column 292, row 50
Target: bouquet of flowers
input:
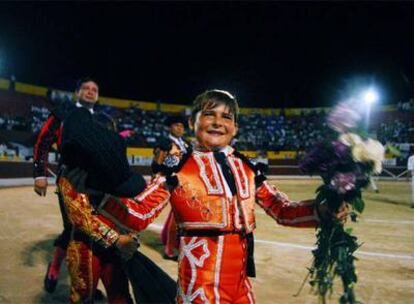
column 345, row 165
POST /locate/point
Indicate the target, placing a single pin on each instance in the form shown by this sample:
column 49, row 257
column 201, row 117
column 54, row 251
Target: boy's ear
column 236, row 129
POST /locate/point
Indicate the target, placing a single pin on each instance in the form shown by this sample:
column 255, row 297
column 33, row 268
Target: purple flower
column 321, row 158
column 343, row 182
column 341, row 150
column 343, row 117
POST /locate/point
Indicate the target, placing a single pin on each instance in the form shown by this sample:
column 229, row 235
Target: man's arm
column 48, row 135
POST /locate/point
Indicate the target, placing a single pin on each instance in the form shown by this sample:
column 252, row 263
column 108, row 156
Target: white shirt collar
column 79, row 105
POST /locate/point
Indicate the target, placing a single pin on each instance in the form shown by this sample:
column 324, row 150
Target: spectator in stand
column 410, row 168
column 168, row 152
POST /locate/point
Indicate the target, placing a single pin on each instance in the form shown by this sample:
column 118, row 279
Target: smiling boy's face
column 215, row 128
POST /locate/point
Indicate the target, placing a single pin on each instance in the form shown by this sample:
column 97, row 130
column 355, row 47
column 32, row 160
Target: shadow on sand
column 43, row 251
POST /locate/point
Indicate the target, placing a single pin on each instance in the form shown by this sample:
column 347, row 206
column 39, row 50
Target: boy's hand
column 341, row 215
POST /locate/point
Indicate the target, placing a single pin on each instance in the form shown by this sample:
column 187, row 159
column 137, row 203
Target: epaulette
column 259, row 176
column 167, row 170
column 245, row 160
column 172, row 180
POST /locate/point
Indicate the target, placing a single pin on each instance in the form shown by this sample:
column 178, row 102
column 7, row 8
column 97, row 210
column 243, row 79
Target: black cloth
column 101, row 153
column 61, row 108
column 251, row 266
column 150, row 283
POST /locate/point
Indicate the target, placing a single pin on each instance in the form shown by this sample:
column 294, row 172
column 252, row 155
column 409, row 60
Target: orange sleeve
column 137, row 213
column 286, row 212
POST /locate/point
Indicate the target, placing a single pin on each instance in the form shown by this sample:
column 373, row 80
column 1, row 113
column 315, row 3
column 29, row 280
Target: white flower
column 369, row 151
column 350, row 139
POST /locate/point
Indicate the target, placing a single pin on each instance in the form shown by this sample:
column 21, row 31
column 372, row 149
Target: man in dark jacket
column 87, row 93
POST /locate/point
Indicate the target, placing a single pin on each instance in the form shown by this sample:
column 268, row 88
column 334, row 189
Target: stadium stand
column 284, row 133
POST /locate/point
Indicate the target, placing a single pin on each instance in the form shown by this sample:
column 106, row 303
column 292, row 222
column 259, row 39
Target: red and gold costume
column 213, row 223
column 86, row 263
column 92, row 253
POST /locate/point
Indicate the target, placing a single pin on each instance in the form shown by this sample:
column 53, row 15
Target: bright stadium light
column 370, row 96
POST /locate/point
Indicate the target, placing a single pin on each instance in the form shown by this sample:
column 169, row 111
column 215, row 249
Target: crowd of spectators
column 256, row 131
column 406, row 105
column 280, row 132
column 397, row 131
column 11, row 122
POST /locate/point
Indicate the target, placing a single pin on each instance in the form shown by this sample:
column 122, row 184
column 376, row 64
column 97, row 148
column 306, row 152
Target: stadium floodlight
column 370, row 96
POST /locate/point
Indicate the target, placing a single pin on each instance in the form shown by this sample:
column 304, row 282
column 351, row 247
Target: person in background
column 95, row 169
column 87, row 94
column 169, row 152
column 261, row 161
column 410, row 168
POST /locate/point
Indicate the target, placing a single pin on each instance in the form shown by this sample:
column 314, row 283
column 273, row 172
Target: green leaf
column 348, row 230
column 359, row 204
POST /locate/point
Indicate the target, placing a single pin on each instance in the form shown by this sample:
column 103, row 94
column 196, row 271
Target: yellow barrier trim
column 128, row 103
column 168, row 107
column 30, row 89
column 142, row 152
column 282, row 154
column 4, row 84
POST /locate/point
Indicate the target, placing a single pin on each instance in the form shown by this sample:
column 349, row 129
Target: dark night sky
column 268, row 54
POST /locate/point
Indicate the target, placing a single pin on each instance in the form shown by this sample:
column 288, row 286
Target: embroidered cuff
column 109, row 236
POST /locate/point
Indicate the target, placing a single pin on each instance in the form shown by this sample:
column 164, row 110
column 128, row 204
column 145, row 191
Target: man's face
column 88, row 92
column 177, row 129
column 215, row 128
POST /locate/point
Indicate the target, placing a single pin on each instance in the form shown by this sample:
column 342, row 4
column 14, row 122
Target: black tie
column 228, row 175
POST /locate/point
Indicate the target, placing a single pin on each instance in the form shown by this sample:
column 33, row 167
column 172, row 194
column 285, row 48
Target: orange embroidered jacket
column 200, row 200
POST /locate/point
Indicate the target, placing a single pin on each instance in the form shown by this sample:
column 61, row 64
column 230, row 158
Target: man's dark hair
column 211, row 99
column 83, row 80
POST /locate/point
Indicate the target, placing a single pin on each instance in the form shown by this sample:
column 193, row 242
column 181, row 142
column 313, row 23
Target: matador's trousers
column 212, row 269
column 87, row 265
